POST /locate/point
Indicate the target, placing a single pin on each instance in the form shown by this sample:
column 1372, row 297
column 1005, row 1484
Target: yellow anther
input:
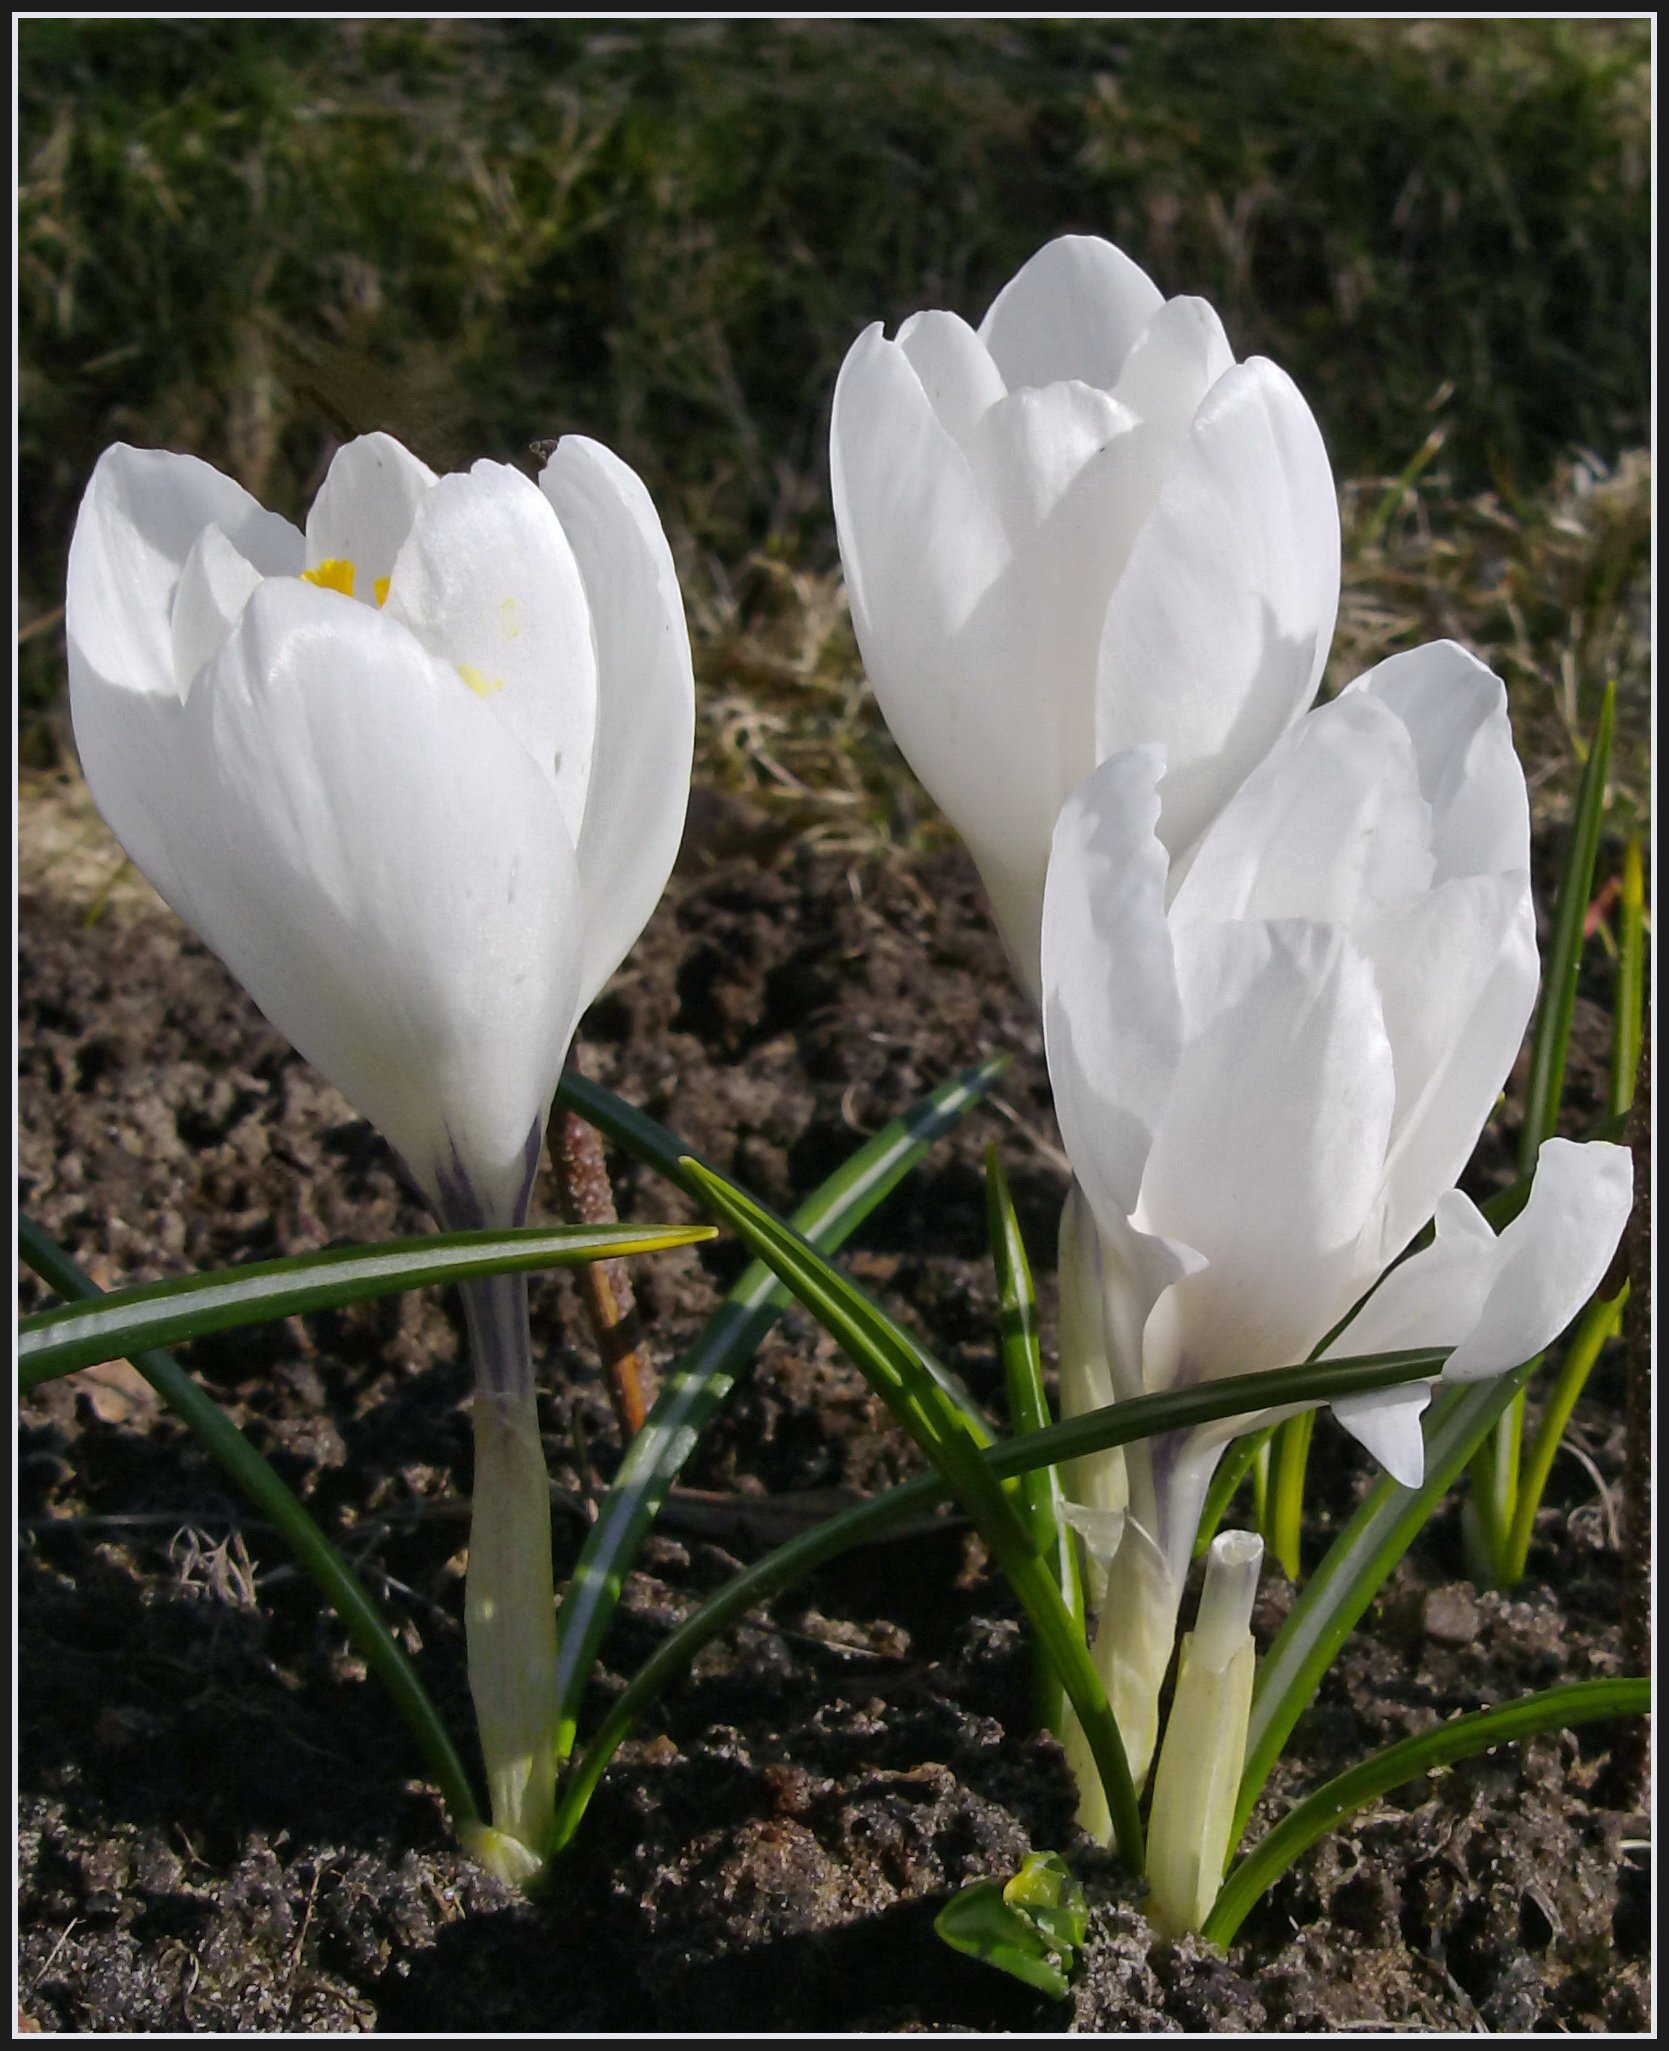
column 381, row 588
column 482, row 686
column 335, row 573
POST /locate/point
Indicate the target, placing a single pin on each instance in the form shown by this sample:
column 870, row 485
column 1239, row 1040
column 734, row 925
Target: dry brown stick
column 585, row 1198
column 1637, row 1444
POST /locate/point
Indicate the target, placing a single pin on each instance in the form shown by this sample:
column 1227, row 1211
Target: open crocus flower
column 1271, row 1063
column 418, row 776
column 1082, row 528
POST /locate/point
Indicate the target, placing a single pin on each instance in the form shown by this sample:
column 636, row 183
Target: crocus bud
column 1080, row 528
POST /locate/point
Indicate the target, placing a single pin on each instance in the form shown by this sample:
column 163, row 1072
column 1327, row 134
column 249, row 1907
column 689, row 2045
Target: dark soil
column 220, row 1828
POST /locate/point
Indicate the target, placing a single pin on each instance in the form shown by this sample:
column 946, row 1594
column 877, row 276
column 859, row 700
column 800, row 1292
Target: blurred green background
column 248, row 239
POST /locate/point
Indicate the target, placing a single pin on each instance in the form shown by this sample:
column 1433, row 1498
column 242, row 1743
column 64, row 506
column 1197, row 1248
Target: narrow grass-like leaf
column 314, row 1553
column 1353, row 1571
column 1629, row 996
column 76, row 1335
column 1289, row 1459
column 1232, row 1470
column 1118, row 1424
column 1028, row 1410
column 922, row 1396
column 704, row 1377
column 1494, row 1473
column 1463, row 1737
column 1598, row 1323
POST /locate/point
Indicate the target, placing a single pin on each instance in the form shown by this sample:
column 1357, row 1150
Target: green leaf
column 1289, row 1459
column 1028, row 1410
column 1115, row 1425
column 1031, row 1927
column 928, row 1402
column 1629, row 999
column 1598, row 1322
column 314, row 1553
column 1464, row 1737
column 76, row 1335
column 707, row 1372
column 1354, row 1570
column 1231, row 1472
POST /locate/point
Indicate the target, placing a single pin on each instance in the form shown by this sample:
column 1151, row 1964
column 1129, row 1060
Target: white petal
column 1073, row 311
column 640, row 773
column 1267, row 1158
column 1178, row 357
column 365, row 508
column 1455, row 711
column 1112, row 1017
column 486, row 580
column 1457, row 977
column 946, row 635
column 1027, row 449
column 1217, row 633
column 955, row 368
column 1112, row 1027
column 385, row 869
column 1433, row 1298
column 1331, row 826
column 139, row 520
column 213, row 589
column 1551, row 1258
column 1388, row 1424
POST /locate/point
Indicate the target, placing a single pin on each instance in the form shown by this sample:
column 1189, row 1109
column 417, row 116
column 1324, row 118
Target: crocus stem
column 509, row 1599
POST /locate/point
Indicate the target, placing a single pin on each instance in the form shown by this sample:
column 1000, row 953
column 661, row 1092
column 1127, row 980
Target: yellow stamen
column 335, row 573
column 381, row 588
column 482, row 686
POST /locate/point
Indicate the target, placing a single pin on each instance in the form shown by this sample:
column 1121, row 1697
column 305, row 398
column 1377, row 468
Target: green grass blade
column 1598, row 1323
column 865, row 1523
column 1289, row 1459
column 1551, row 1044
column 342, row 1588
column 1629, row 999
column 1232, row 1470
column 707, row 1372
column 1354, row 1570
column 1464, row 1737
column 925, row 1400
column 75, row 1335
column 1028, row 1410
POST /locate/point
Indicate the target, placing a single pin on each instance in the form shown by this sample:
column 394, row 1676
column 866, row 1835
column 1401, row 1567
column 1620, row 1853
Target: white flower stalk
column 1081, row 528
column 417, row 775
column 1197, row 1781
column 1271, row 1061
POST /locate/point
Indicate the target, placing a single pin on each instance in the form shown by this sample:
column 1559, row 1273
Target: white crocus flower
column 1271, row 1064
column 417, row 776
column 1082, row 528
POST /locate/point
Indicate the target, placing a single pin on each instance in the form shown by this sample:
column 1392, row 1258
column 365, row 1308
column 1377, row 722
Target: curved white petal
column 139, row 520
column 1112, row 1027
column 955, row 369
column 1455, row 711
column 214, row 587
column 1388, row 1425
column 945, row 634
column 1028, row 448
column 1073, row 311
column 640, row 773
column 1551, row 1258
column 1216, row 634
column 1178, row 357
column 385, row 869
column 365, row 508
column 1090, row 1375
column 1268, row 1154
column 1330, row 826
column 486, row 580
column 1457, row 976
